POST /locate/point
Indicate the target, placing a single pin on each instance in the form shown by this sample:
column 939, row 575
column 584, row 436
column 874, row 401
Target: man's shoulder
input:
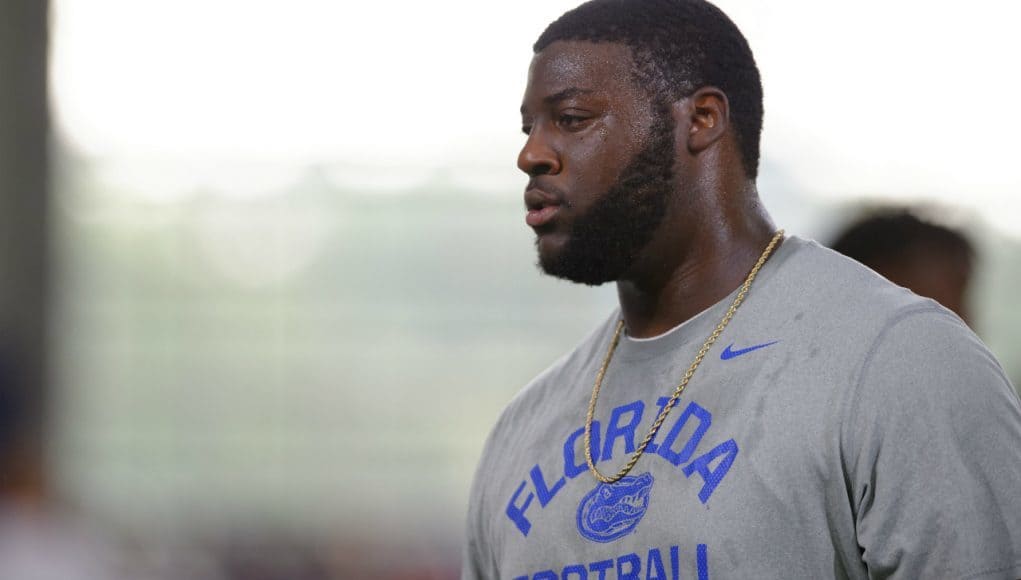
column 840, row 293
column 559, row 379
column 904, row 351
column 822, row 302
column 541, row 404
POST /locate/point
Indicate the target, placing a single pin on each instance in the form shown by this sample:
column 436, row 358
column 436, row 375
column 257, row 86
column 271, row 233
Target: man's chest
column 713, row 486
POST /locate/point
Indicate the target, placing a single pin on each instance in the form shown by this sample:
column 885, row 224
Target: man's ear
column 706, row 116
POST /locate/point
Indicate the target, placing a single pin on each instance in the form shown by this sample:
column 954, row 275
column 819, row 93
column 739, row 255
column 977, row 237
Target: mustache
column 535, row 183
column 548, row 188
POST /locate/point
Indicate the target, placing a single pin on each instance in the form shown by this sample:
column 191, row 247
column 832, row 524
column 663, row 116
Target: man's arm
column 932, row 448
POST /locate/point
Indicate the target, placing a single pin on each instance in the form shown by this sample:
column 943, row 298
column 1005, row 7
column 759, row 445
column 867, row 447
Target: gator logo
column 611, row 511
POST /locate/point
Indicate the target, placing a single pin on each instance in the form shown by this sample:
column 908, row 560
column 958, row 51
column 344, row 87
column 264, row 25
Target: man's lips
column 542, row 207
column 540, row 217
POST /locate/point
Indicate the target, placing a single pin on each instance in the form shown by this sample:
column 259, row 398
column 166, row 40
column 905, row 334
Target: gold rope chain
column 684, row 381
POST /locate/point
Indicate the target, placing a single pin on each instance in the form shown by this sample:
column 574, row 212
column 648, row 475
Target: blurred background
column 265, row 282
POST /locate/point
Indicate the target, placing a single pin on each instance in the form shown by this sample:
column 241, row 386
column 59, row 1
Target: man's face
column 599, row 156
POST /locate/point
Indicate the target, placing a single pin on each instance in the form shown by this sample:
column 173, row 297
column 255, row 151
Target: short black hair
column 679, row 46
column 895, row 234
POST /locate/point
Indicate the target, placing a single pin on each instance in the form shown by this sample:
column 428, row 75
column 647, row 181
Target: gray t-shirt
column 841, row 427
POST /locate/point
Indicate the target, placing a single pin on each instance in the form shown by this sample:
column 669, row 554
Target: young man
column 759, row 407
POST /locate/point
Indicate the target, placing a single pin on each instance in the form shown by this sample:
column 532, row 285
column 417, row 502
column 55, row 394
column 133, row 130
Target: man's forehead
column 579, row 64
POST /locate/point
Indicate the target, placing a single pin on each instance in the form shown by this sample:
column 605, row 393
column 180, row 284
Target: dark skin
column 586, row 117
column 932, row 271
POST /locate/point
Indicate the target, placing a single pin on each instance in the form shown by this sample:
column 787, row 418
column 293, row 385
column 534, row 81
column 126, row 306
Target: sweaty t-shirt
column 841, row 427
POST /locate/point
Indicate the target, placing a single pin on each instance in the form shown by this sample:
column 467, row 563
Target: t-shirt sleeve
column 477, row 559
column 932, row 451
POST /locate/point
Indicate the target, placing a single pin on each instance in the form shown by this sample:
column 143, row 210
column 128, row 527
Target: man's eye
column 570, row 122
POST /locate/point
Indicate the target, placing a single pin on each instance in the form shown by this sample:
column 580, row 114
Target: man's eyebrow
column 565, row 94
column 562, row 95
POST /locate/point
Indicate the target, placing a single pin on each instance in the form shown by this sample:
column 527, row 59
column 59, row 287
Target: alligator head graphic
column 611, row 511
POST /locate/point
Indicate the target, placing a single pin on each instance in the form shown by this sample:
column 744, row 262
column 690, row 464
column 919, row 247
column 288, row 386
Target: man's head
column 927, row 258
column 677, row 46
column 610, row 145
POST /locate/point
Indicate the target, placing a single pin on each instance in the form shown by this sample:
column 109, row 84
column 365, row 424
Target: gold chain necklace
column 684, row 381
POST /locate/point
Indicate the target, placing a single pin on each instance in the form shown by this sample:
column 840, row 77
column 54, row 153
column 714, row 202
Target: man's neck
column 677, row 285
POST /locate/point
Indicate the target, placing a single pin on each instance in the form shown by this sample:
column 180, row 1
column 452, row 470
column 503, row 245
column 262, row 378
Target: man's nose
column 537, row 157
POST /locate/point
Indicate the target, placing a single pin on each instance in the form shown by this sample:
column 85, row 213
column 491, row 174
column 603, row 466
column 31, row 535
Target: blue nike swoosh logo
column 728, row 353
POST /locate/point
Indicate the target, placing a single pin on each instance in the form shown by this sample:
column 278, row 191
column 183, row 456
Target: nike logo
column 728, row 353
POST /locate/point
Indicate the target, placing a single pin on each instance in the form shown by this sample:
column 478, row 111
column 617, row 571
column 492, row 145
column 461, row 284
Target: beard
column 604, row 242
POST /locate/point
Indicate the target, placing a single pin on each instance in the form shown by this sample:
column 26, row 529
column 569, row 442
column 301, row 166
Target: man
column 929, row 259
column 763, row 407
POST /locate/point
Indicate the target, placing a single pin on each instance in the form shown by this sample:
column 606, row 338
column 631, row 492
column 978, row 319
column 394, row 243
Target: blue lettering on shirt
column 630, row 567
column 654, row 566
column 601, row 566
column 704, row 421
column 545, row 493
column 614, row 430
column 686, row 433
column 712, row 476
column 574, row 570
column 653, row 445
column 634, row 567
column 572, row 467
column 517, row 512
column 703, row 561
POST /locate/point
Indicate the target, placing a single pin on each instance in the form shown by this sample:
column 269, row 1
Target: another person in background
column 929, row 259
